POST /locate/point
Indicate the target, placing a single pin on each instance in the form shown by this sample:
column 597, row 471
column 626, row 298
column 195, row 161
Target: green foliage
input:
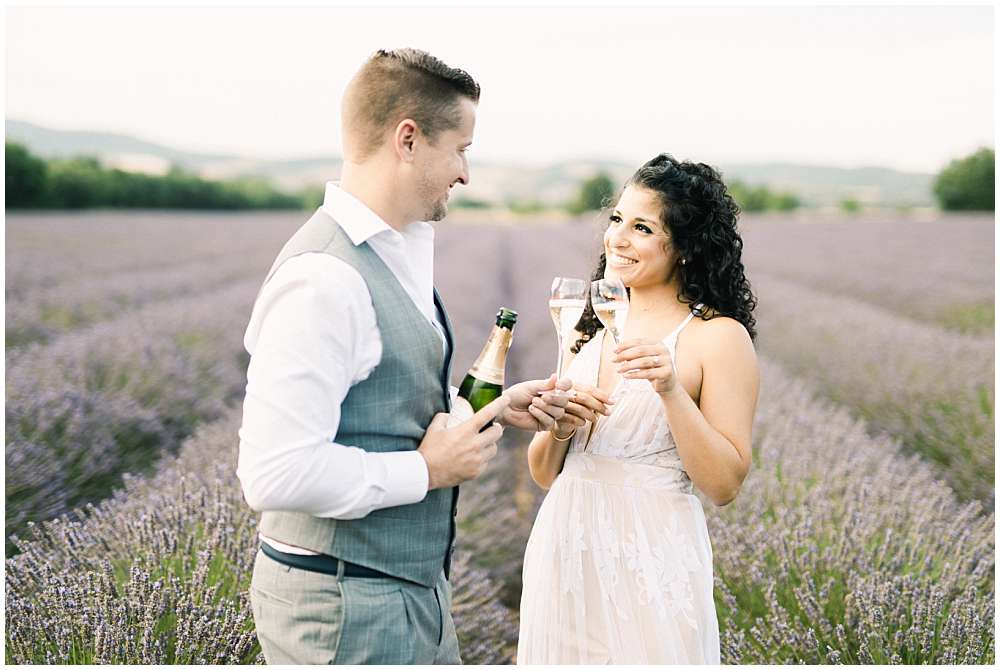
column 471, row 203
column 81, row 182
column 785, row 202
column 749, row 198
column 967, row 183
column 972, row 318
column 312, row 196
column 525, row 206
column 25, row 176
column 258, row 193
column 76, row 183
column 594, row 194
column 761, row 198
column 850, row 205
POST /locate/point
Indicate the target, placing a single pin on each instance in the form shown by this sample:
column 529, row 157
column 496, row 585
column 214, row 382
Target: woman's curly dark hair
column 701, row 218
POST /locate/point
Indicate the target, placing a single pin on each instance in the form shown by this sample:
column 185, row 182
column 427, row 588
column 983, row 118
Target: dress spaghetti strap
column 678, row 329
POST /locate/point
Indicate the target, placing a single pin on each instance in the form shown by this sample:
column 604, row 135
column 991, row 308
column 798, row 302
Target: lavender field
column 938, row 270
column 864, row 533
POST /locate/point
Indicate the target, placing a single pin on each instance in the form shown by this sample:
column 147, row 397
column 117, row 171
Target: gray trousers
column 305, row 617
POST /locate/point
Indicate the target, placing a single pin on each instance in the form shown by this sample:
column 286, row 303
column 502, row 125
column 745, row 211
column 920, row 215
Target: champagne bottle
column 484, row 382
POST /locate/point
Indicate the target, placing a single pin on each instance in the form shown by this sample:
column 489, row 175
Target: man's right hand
column 458, row 454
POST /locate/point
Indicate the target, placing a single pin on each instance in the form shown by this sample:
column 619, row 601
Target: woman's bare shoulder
column 725, row 327
column 726, row 351
column 723, row 334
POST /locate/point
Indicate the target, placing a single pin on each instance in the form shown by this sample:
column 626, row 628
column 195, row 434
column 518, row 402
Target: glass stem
column 560, row 359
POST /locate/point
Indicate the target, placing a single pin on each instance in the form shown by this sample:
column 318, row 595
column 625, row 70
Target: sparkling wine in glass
column 610, row 302
column 566, row 305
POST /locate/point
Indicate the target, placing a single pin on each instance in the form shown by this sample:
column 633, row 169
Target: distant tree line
column 761, row 199
column 599, row 191
column 74, row 183
column 965, row 184
column 968, row 183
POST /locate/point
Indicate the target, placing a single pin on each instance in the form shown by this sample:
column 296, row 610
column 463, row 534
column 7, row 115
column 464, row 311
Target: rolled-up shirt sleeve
column 312, row 335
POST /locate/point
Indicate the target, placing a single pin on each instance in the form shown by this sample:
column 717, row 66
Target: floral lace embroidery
column 637, row 432
column 571, row 548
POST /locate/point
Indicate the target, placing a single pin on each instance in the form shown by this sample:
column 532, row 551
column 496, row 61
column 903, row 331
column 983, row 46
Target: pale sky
column 903, row 87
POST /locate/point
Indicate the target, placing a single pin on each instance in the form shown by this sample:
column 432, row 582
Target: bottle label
column 461, row 410
column 489, row 367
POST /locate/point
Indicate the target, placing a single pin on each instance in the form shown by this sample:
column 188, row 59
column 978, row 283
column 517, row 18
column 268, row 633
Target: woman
column 618, row 568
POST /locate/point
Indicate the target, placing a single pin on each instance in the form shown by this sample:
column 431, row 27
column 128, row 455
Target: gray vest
column 388, row 411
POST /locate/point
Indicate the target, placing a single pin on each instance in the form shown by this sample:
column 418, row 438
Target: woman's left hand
column 643, row 358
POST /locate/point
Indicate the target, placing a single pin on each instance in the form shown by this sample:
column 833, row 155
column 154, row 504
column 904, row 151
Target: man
column 344, row 446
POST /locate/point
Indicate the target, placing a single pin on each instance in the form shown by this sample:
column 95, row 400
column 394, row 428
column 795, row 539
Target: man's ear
column 404, row 138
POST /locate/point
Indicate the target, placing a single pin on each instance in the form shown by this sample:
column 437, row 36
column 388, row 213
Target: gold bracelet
column 563, row 439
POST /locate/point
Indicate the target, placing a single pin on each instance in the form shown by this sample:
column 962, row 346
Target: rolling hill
column 816, row 185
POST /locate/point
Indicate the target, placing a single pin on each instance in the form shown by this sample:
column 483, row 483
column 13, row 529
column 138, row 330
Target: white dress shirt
column 312, row 336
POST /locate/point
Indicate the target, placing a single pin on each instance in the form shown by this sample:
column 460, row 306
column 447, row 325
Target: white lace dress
column 618, row 568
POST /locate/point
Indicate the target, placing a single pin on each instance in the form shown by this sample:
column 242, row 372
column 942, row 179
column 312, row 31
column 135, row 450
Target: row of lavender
column 42, row 315
column 938, row 270
column 159, row 573
column 69, row 272
column 114, row 397
column 62, row 268
column 841, row 550
column 123, row 332
column 47, row 249
column 514, row 276
column 930, row 387
column 845, row 550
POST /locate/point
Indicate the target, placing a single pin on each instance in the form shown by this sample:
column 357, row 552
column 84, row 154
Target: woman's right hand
column 587, row 403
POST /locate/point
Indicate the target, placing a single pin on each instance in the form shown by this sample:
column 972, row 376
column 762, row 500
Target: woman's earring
column 683, row 261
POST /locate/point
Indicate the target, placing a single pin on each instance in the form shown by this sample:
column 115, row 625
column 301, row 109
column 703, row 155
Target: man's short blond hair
column 402, row 84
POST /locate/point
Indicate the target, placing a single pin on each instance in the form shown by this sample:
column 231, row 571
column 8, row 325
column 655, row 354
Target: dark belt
column 328, row 565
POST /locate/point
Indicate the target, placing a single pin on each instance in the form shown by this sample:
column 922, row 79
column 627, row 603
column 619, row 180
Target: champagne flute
column 566, row 304
column 610, row 301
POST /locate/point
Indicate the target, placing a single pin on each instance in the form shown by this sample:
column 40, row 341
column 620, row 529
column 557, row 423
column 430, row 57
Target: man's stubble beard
column 436, row 210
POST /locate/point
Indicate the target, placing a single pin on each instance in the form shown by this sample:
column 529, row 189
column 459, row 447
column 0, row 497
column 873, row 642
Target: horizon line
column 498, row 162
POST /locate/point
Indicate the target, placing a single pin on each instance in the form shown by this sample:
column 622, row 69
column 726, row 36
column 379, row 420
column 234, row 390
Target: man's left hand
column 534, row 406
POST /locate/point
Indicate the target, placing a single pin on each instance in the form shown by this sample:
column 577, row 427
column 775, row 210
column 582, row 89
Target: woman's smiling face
column 637, row 241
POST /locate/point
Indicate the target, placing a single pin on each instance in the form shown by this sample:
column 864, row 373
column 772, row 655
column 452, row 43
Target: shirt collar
column 355, row 217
